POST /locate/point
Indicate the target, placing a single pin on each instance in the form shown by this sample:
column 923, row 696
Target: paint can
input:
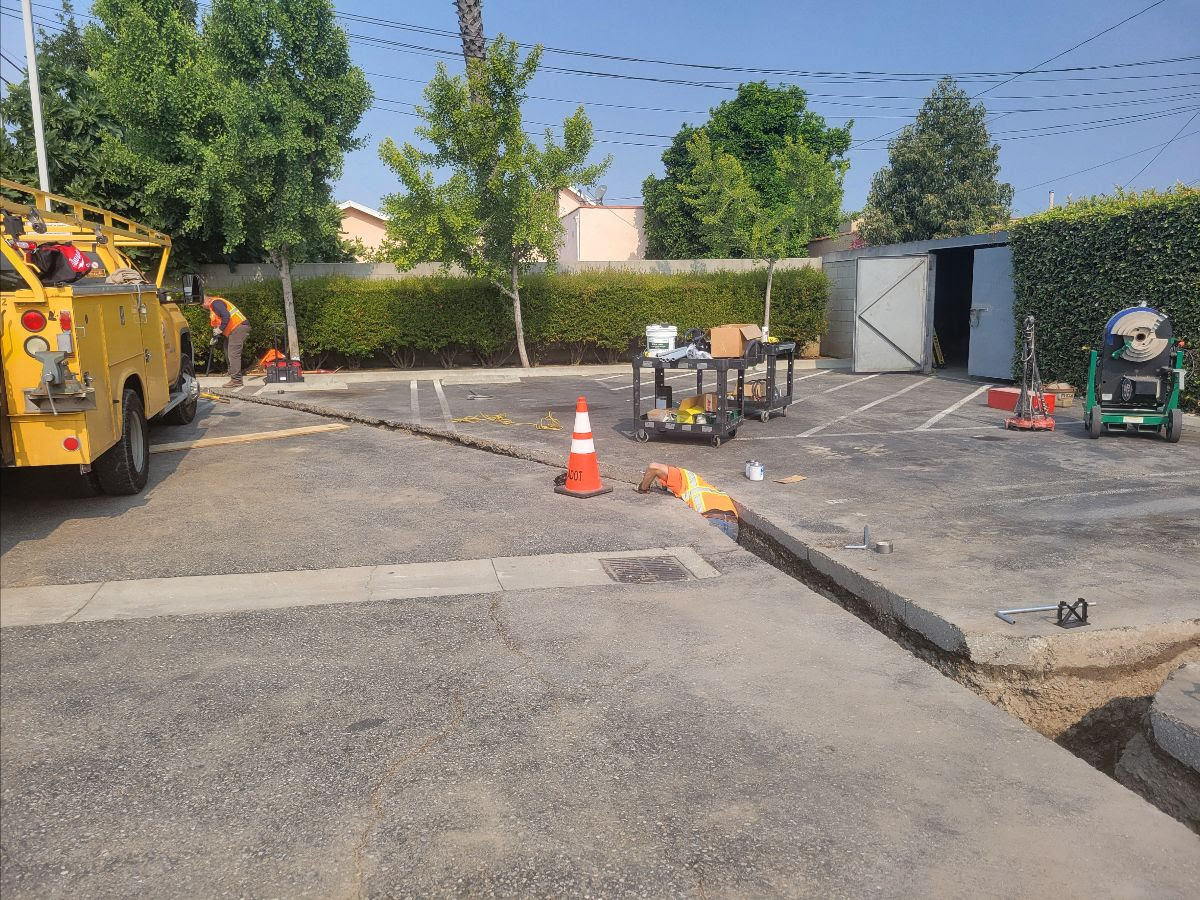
column 660, row 339
column 754, row 470
column 883, row 547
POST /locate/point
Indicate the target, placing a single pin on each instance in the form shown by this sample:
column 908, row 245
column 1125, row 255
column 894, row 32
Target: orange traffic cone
column 583, row 469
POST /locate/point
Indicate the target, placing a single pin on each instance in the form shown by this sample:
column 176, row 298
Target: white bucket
column 754, row 470
column 660, row 339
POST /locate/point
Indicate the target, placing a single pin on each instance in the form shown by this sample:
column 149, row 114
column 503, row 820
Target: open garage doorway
column 973, row 309
column 953, row 279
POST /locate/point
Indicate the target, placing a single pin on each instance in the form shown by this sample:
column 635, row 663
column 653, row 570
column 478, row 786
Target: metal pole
column 35, row 97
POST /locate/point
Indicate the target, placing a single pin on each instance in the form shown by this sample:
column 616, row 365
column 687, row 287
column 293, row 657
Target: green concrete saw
column 1135, row 379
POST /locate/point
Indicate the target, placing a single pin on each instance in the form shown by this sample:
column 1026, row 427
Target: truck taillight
column 33, row 320
column 64, row 319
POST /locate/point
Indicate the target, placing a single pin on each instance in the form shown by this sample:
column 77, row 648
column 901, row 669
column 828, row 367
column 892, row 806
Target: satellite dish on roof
column 601, row 190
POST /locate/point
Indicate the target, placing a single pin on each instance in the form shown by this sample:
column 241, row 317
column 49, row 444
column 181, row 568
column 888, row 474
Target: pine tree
column 941, row 178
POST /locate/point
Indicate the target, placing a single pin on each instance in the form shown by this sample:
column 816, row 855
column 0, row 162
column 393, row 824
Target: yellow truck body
column 87, row 364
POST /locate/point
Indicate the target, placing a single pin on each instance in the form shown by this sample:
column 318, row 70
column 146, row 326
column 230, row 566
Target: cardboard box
column 731, row 340
column 1007, row 397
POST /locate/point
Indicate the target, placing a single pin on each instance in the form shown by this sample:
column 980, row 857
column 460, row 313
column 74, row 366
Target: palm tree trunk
column 470, row 28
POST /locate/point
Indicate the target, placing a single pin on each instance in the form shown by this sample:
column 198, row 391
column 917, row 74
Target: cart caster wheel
column 642, row 435
column 764, row 417
column 716, row 441
column 783, row 411
column 1095, row 426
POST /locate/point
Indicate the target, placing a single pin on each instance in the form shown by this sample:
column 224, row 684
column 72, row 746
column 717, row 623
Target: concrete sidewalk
column 213, row 594
column 340, row 379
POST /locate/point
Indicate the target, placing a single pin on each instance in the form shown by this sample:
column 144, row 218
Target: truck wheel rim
column 137, row 444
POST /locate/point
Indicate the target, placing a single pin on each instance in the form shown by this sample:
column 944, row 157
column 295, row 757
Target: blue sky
column 1054, row 123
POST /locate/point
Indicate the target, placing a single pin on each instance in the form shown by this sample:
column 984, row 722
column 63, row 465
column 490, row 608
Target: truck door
column 153, row 343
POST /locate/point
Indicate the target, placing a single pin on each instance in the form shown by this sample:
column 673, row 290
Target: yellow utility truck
column 92, row 350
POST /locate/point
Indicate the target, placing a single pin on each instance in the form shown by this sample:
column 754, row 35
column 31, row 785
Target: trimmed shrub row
column 587, row 313
column 1075, row 266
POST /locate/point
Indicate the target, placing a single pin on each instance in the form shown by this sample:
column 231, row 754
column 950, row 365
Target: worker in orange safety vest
column 716, row 506
column 229, row 322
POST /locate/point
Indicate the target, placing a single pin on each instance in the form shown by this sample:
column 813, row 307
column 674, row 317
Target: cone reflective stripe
column 583, row 469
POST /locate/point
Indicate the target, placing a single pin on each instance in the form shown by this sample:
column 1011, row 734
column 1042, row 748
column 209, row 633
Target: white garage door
column 889, row 314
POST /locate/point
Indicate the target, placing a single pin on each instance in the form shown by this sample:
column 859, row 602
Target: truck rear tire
column 185, row 412
column 125, row 467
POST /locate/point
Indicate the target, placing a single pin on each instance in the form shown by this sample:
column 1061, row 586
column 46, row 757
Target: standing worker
column 226, row 319
column 716, row 506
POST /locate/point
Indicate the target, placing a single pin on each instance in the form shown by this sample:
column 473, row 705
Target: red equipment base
column 1007, row 397
column 1036, row 423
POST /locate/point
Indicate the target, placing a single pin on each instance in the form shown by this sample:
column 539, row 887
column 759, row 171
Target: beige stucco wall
column 603, row 233
column 568, row 201
column 365, row 227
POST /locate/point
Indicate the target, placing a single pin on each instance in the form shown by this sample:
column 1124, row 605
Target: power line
column 1102, row 165
column 1038, row 67
column 1075, row 46
column 449, row 33
column 1162, row 149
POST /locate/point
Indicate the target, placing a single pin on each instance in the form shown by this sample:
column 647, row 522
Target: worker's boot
column 233, row 383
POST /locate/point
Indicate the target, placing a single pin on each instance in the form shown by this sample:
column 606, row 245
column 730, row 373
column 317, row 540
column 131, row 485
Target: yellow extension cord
column 546, row 423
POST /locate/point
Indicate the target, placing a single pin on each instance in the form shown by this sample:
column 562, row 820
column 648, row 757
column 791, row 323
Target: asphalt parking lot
column 733, row 734
column 981, row 518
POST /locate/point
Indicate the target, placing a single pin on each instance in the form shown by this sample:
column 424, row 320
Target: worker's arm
column 654, row 470
column 221, row 310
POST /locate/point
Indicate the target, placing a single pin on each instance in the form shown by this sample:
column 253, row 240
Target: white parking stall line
column 836, row 387
column 441, row 395
column 415, row 401
column 865, row 407
column 925, row 426
column 846, row 384
column 846, row 434
column 819, row 372
column 611, row 377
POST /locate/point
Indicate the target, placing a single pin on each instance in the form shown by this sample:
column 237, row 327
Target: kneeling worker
column 714, row 505
column 227, row 320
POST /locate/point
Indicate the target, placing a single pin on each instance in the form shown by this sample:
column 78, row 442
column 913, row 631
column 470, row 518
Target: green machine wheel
column 1174, row 426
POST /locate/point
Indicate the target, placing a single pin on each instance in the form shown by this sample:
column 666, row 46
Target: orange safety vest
column 235, row 317
column 697, row 493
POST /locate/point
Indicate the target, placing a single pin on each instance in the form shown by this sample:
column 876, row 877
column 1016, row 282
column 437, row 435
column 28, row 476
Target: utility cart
column 719, row 424
column 771, row 401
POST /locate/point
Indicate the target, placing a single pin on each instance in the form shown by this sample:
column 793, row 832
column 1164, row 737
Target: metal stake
column 866, row 544
column 1007, row 614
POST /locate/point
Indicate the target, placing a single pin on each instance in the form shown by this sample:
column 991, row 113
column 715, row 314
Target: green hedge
column 1075, row 266
column 361, row 320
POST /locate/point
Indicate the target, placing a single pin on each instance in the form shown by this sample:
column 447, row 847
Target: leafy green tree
column 294, row 100
column 941, row 178
column 751, row 128
column 497, row 212
column 738, row 219
column 76, row 119
column 161, row 86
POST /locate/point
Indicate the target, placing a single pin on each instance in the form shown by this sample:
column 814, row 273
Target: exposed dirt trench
column 1095, row 713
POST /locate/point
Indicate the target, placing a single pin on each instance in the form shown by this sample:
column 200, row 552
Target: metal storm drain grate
column 645, row 569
